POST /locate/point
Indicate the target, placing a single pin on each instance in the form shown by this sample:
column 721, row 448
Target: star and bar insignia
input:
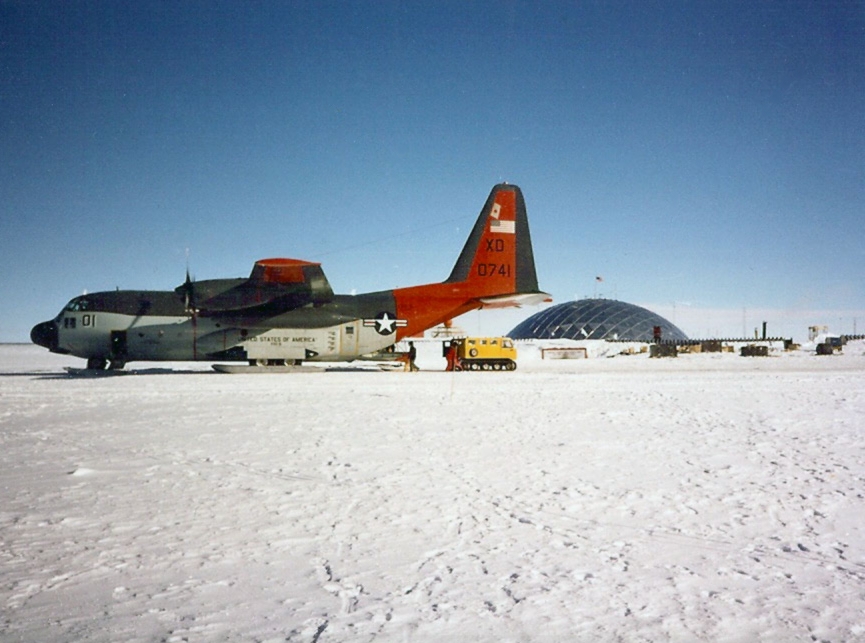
column 385, row 323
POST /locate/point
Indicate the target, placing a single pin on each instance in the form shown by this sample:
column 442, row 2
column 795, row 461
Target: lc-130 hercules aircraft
column 286, row 311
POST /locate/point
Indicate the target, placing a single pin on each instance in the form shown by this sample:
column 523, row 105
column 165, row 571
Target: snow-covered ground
column 704, row 498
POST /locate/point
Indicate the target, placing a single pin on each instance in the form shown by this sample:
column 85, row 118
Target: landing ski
column 245, row 369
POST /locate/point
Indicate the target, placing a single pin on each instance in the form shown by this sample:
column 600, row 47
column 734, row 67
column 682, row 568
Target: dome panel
column 596, row 319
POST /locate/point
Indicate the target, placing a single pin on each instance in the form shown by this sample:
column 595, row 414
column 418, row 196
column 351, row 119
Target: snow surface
column 702, row 498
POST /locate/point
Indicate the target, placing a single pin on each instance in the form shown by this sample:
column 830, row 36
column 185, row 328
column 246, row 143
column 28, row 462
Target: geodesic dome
column 596, row 319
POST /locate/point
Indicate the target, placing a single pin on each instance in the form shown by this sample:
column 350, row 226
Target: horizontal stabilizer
column 518, row 300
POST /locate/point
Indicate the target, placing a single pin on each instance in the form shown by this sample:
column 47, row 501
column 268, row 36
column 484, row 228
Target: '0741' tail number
column 494, row 270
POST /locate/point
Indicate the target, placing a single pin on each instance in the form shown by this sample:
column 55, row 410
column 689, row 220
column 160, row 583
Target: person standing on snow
column 412, row 355
column 451, row 355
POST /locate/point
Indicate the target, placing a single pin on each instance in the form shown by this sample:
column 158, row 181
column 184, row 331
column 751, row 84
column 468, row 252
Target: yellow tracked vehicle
column 481, row 354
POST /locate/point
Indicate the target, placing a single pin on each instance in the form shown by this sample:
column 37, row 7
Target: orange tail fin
column 497, row 258
column 496, row 268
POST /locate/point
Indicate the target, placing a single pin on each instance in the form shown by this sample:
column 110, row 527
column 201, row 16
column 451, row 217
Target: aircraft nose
column 45, row 334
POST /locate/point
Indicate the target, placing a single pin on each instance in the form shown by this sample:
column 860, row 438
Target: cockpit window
column 78, row 304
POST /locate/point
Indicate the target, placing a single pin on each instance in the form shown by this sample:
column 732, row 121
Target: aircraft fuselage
column 126, row 326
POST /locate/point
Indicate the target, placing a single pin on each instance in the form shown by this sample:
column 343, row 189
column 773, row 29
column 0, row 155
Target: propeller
column 189, row 289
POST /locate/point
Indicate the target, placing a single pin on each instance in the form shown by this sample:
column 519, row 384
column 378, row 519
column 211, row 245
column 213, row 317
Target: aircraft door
column 119, row 346
column 348, row 339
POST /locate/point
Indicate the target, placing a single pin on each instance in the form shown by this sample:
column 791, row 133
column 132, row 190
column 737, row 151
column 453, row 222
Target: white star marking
column 385, row 324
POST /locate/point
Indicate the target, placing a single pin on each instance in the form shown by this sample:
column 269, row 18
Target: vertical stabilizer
column 496, row 268
column 497, row 257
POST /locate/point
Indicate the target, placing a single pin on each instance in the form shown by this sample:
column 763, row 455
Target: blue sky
column 707, row 159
